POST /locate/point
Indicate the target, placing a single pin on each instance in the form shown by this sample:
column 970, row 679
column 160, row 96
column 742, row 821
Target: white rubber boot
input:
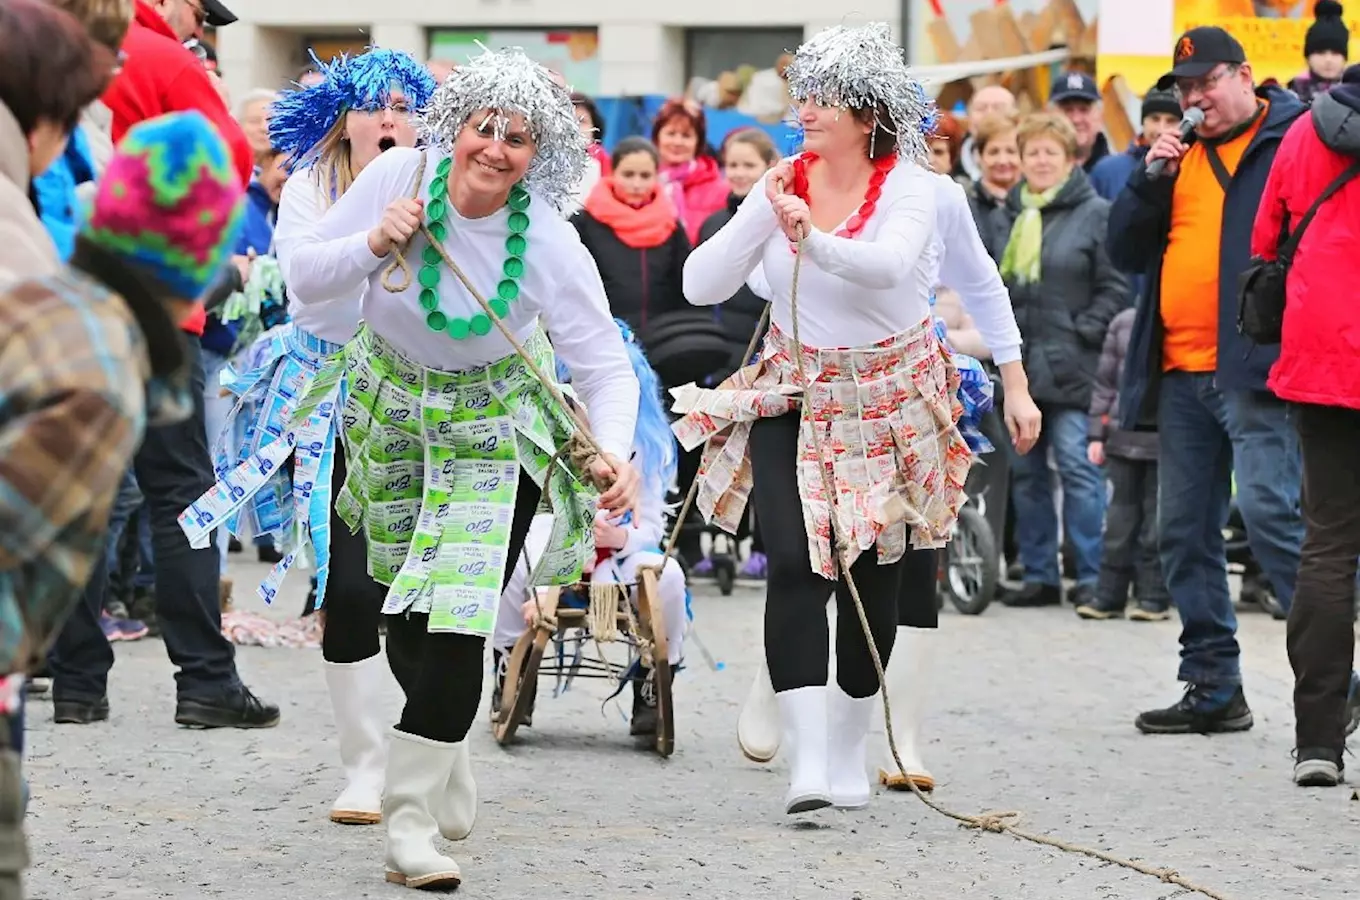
column 908, row 684
column 458, row 811
column 356, row 701
column 758, row 723
column 848, row 749
column 417, row 777
column 803, row 712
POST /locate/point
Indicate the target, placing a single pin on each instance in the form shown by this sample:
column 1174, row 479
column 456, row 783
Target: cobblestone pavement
column 1033, row 712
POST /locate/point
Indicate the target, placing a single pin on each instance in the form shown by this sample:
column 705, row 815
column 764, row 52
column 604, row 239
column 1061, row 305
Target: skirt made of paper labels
column 434, row 460
column 887, row 415
column 287, row 398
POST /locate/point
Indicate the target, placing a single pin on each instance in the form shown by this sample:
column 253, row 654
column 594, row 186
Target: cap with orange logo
column 1199, row 51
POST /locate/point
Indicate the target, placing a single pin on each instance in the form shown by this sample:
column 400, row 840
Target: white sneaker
column 356, row 699
column 803, row 712
column 848, row 748
column 758, row 723
column 418, row 772
column 908, row 686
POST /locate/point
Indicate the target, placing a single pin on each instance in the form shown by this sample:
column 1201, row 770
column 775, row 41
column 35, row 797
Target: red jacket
column 1320, row 354
column 160, row 76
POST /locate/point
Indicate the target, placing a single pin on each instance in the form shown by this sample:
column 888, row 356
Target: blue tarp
column 627, row 116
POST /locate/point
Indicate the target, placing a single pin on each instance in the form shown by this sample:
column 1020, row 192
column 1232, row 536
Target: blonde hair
column 990, row 127
column 1048, row 125
column 333, row 170
column 106, row 21
column 755, row 138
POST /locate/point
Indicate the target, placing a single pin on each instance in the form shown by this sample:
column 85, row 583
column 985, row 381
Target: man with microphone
column 1184, row 221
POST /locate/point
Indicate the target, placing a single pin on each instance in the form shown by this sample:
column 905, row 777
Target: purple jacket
column 1104, row 426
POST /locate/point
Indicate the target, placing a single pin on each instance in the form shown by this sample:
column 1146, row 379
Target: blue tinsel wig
column 652, row 436
column 300, row 119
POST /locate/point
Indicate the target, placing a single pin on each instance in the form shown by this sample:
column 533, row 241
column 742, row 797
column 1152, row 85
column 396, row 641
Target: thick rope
column 998, row 822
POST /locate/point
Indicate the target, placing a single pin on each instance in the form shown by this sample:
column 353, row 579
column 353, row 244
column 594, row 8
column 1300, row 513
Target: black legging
column 795, row 606
column 916, row 606
column 441, row 673
column 354, row 600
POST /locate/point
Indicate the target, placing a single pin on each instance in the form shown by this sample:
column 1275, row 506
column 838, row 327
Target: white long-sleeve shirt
column 852, row 291
column 333, row 317
column 560, row 285
column 957, row 259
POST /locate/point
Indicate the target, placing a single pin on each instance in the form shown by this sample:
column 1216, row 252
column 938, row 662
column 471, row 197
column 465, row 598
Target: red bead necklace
column 855, row 224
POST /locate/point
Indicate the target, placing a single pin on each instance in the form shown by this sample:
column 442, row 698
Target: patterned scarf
column 1020, row 261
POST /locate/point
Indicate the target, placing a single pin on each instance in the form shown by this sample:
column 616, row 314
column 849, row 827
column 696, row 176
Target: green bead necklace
column 507, row 291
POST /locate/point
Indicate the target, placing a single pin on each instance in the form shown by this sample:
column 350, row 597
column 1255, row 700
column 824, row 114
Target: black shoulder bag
column 1261, row 286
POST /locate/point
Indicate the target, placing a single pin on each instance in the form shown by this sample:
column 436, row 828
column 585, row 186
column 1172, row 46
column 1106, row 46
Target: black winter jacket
column 640, row 284
column 739, row 315
column 1063, row 319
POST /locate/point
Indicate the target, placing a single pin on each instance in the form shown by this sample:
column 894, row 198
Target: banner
column 1136, row 40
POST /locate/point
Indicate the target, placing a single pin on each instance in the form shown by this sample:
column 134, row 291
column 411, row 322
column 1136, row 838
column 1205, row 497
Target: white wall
column 640, row 52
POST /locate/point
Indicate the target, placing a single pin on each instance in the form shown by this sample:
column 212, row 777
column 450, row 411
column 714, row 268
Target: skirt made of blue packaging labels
column 288, row 397
column 975, row 390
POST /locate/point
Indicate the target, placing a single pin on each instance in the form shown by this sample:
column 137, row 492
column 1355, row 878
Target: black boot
column 1032, row 594
column 645, row 718
column 1200, row 711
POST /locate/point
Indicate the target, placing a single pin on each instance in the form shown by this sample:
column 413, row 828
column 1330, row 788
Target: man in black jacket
column 1193, row 377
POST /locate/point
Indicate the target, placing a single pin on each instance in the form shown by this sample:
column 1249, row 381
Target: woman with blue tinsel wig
column 279, row 473
column 620, row 549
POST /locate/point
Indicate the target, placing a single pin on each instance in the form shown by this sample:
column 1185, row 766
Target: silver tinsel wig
column 860, row 68
column 300, row 119
column 507, row 82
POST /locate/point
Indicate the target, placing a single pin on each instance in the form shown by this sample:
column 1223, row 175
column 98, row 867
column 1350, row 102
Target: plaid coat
column 74, row 367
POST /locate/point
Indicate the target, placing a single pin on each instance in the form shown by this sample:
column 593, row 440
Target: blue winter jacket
column 56, row 193
column 1140, row 223
column 257, row 233
column 1111, row 174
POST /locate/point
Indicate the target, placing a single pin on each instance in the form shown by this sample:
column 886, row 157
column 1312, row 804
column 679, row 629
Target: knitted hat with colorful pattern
column 170, row 202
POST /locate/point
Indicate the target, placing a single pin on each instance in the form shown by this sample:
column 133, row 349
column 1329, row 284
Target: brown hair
column 52, row 69
column 949, row 130
column 752, row 137
column 989, row 128
column 106, row 21
column 1049, row 125
column 675, row 108
column 883, row 137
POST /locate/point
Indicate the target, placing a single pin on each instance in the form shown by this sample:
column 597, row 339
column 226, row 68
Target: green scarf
column 1020, row 261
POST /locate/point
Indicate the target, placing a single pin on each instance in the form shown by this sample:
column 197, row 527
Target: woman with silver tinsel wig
column 450, row 438
column 955, row 257
column 881, row 393
column 286, row 487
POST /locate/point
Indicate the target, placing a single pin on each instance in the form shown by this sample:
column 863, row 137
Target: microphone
column 1192, row 119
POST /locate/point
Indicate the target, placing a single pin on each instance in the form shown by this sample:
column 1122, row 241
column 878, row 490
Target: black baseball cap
column 218, row 14
column 1074, row 86
column 1198, row 51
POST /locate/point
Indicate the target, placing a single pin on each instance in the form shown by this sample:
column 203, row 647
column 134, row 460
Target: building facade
column 602, row 47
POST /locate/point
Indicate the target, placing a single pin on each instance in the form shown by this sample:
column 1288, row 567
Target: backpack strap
column 1290, row 246
column 1216, row 163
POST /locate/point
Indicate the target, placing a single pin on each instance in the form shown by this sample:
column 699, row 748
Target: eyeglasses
column 1188, row 86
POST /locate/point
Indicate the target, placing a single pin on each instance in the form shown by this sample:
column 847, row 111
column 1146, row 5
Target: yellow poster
column 1141, row 36
column 1271, row 31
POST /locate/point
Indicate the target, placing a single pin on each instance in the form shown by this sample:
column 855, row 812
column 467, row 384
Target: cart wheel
column 653, row 624
column 972, row 563
column 521, row 682
column 725, row 571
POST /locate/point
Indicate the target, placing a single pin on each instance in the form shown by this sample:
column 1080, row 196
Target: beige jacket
column 26, row 251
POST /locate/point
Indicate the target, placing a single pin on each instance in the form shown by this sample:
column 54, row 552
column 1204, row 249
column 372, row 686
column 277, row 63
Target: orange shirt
column 1189, row 296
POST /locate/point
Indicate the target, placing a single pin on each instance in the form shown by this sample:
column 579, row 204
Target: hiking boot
column 1317, row 767
column 78, row 711
column 1147, row 611
column 1099, row 608
column 236, row 708
column 645, row 719
column 269, row 554
column 1032, row 595
column 1200, row 711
